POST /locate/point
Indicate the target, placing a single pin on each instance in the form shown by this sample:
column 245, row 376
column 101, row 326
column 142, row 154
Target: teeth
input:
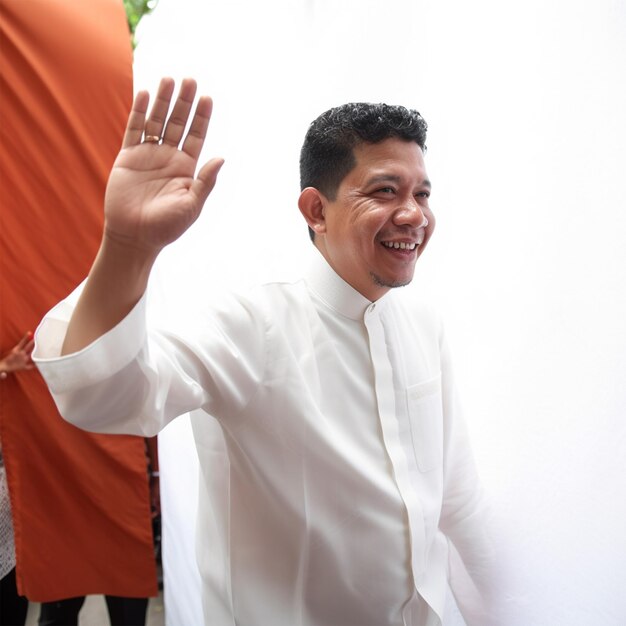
column 396, row 245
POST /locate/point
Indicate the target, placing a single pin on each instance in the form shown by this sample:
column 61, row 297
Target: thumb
column 206, row 179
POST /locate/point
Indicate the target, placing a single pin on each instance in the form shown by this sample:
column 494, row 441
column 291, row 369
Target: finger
column 207, row 177
column 180, row 113
column 198, row 128
column 136, row 120
column 158, row 113
column 24, row 340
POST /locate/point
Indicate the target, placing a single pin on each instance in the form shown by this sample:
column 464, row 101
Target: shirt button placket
column 387, row 413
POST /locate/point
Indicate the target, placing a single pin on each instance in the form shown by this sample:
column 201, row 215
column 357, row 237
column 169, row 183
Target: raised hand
column 152, row 198
column 152, row 195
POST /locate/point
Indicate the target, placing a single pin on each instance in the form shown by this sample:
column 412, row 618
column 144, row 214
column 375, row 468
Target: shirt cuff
column 106, row 356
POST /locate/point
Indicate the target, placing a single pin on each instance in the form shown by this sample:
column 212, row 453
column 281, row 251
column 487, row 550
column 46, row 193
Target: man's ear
column 312, row 205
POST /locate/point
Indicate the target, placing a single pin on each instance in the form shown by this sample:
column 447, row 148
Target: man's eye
column 386, row 190
column 423, row 194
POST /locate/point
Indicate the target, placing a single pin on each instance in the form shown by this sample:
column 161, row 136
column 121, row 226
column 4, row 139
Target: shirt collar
column 335, row 292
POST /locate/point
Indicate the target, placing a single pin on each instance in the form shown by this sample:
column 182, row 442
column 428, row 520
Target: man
column 347, row 471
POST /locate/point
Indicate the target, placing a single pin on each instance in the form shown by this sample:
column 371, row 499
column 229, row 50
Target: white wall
column 526, row 105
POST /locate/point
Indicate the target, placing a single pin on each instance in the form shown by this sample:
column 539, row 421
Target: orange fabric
column 80, row 501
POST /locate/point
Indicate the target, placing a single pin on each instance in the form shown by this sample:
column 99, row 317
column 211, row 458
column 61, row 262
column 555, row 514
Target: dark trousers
column 13, row 608
column 122, row 611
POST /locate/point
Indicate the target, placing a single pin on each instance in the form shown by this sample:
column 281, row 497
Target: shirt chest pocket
column 424, row 405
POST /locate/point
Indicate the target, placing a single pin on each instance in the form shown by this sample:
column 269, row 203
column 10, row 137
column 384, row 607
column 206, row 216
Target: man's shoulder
column 242, row 315
column 265, row 300
column 272, row 293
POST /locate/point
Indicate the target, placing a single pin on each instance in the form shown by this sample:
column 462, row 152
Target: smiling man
column 338, row 484
column 374, row 222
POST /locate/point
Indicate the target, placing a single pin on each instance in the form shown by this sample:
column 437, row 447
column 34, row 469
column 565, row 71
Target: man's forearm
column 116, row 282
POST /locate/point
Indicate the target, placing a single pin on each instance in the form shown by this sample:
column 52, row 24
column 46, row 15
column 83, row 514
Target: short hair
column 327, row 154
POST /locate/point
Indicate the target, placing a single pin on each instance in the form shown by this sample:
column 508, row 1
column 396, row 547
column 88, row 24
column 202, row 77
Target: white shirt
column 337, row 461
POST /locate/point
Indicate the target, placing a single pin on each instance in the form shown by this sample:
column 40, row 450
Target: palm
column 18, row 358
column 152, row 196
column 149, row 197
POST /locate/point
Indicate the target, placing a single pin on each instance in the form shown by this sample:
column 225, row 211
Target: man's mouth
column 399, row 245
column 405, row 245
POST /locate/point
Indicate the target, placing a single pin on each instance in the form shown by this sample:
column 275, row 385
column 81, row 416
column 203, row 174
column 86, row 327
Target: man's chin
column 391, row 284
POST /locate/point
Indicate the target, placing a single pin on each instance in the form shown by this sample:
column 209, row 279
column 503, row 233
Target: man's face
column 380, row 221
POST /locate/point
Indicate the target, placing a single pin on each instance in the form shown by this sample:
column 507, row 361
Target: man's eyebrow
column 383, row 178
column 392, row 178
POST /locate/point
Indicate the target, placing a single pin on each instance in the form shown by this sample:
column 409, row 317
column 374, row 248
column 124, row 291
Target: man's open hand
column 152, row 196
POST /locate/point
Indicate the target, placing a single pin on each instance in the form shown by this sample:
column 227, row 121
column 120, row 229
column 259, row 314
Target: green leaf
column 135, row 10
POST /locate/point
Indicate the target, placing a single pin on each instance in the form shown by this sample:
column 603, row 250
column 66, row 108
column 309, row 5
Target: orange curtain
column 80, row 501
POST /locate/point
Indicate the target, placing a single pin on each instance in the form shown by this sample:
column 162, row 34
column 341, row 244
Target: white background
column 526, row 105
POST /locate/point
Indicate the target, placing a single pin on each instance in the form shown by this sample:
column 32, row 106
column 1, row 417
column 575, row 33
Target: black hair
column 327, row 155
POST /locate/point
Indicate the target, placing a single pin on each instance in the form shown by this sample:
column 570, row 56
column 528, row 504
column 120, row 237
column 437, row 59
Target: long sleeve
column 135, row 381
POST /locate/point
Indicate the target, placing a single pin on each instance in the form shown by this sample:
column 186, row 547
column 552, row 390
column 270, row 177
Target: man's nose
column 410, row 214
